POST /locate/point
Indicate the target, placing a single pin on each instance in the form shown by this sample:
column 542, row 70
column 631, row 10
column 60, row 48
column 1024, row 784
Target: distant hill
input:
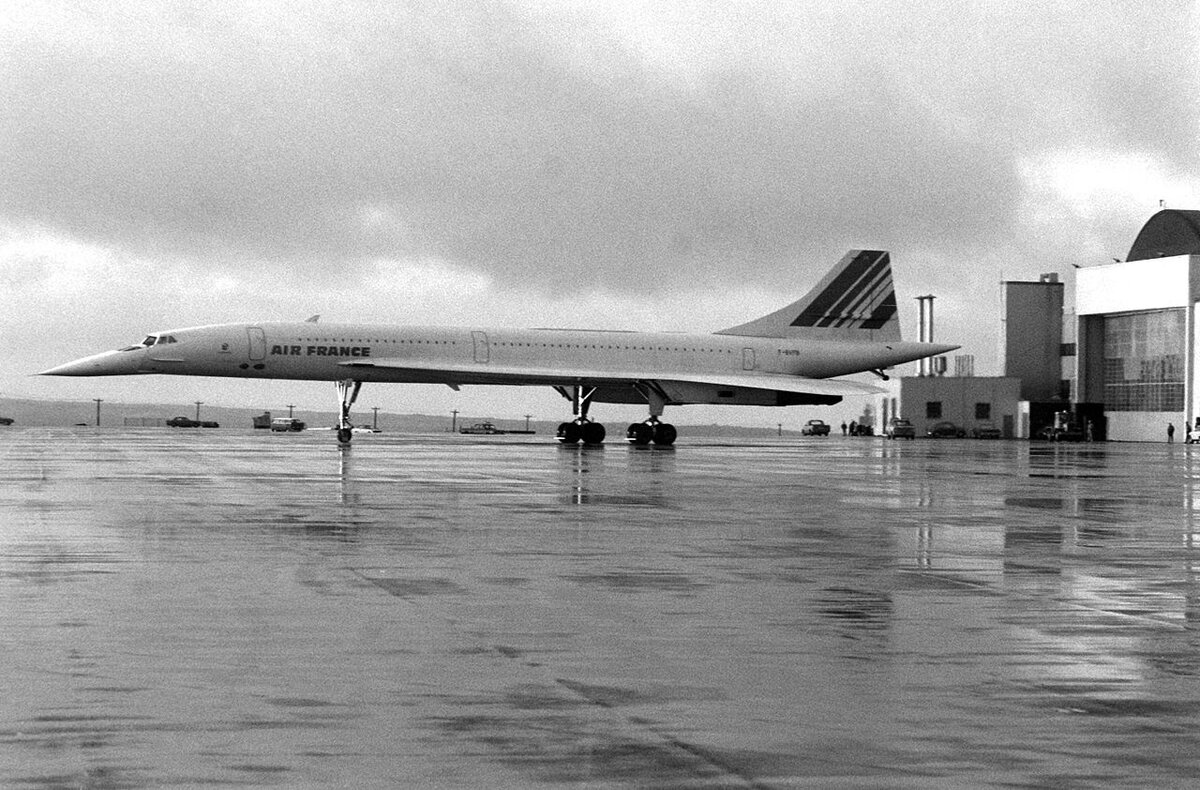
column 115, row 413
column 29, row 412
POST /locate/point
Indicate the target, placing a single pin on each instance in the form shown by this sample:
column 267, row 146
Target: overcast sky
column 645, row 165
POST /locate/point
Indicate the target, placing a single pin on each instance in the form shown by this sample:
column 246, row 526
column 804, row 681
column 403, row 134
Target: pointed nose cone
column 110, row 363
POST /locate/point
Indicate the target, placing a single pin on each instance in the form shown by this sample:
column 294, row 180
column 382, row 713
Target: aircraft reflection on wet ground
column 473, row 611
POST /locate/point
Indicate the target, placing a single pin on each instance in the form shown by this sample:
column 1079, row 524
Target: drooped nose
column 109, row 363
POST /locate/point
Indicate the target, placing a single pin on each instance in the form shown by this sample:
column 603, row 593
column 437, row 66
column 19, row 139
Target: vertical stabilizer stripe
column 857, row 304
column 855, row 293
column 820, row 306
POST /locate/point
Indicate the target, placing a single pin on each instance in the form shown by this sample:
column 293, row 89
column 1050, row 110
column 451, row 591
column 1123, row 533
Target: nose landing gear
column 347, row 394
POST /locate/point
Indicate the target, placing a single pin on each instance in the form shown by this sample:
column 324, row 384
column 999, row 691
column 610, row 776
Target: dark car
column 185, row 422
column 6, row 420
column 945, row 430
column 986, row 431
column 815, row 428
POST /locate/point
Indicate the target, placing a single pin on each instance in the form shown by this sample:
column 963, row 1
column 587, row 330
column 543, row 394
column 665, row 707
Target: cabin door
column 258, row 343
column 747, row 359
column 482, row 353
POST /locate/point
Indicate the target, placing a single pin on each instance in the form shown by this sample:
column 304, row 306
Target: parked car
column 900, row 428
column 945, row 430
column 481, row 427
column 186, row 422
column 986, row 431
column 286, row 424
column 1065, row 428
column 1067, row 432
column 6, row 420
column 815, row 428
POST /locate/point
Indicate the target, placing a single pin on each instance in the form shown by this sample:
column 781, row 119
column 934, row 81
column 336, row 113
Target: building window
column 1144, row 360
column 933, row 410
column 983, row 411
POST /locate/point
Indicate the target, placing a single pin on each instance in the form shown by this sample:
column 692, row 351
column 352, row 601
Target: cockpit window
column 149, row 341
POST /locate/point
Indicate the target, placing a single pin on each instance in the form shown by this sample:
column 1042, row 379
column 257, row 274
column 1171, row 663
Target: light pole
column 453, row 420
column 375, row 418
column 198, row 404
column 98, row 402
column 290, row 407
column 527, row 416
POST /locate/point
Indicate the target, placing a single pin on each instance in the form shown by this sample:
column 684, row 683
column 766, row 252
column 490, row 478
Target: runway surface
column 224, row 609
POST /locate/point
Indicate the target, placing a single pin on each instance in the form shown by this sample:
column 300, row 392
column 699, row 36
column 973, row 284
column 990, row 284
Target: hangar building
column 1137, row 332
column 1123, row 361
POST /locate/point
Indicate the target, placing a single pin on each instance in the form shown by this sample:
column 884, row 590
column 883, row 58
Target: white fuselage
column 616, row 367
column 319, row 351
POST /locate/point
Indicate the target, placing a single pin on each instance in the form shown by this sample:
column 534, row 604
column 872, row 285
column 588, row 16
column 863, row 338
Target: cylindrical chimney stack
column 925, row 331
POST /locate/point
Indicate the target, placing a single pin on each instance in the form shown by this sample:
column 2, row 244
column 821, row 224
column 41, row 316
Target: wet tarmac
column 241, row 609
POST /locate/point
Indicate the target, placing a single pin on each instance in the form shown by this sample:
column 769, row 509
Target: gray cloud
column 549, row 148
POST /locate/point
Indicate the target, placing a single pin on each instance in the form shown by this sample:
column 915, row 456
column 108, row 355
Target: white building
column 1136, row 329
column 970, row 402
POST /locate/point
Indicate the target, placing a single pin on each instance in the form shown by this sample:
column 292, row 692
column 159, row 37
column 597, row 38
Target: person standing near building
column 1170, row 432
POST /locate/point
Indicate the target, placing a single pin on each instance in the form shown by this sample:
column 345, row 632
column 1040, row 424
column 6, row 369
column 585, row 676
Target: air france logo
column 321, row 351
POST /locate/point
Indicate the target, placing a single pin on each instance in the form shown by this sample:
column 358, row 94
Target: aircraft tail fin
column 855, row 300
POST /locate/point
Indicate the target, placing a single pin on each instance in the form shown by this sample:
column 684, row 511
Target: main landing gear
column 347, row 394
column 582, row 428
column 653, row 429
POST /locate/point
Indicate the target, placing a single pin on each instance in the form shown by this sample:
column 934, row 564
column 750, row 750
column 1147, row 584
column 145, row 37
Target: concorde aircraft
column 846, row 324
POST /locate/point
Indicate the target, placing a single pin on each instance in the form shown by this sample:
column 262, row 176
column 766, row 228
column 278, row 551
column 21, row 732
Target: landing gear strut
column 582, row 428
column 652, row 430
column 347, row 394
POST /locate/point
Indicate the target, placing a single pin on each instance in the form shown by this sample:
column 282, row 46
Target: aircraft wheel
column 344, row 435
column 568, row 433
column 592, row 433
column 664, row 434
column 639, row 433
